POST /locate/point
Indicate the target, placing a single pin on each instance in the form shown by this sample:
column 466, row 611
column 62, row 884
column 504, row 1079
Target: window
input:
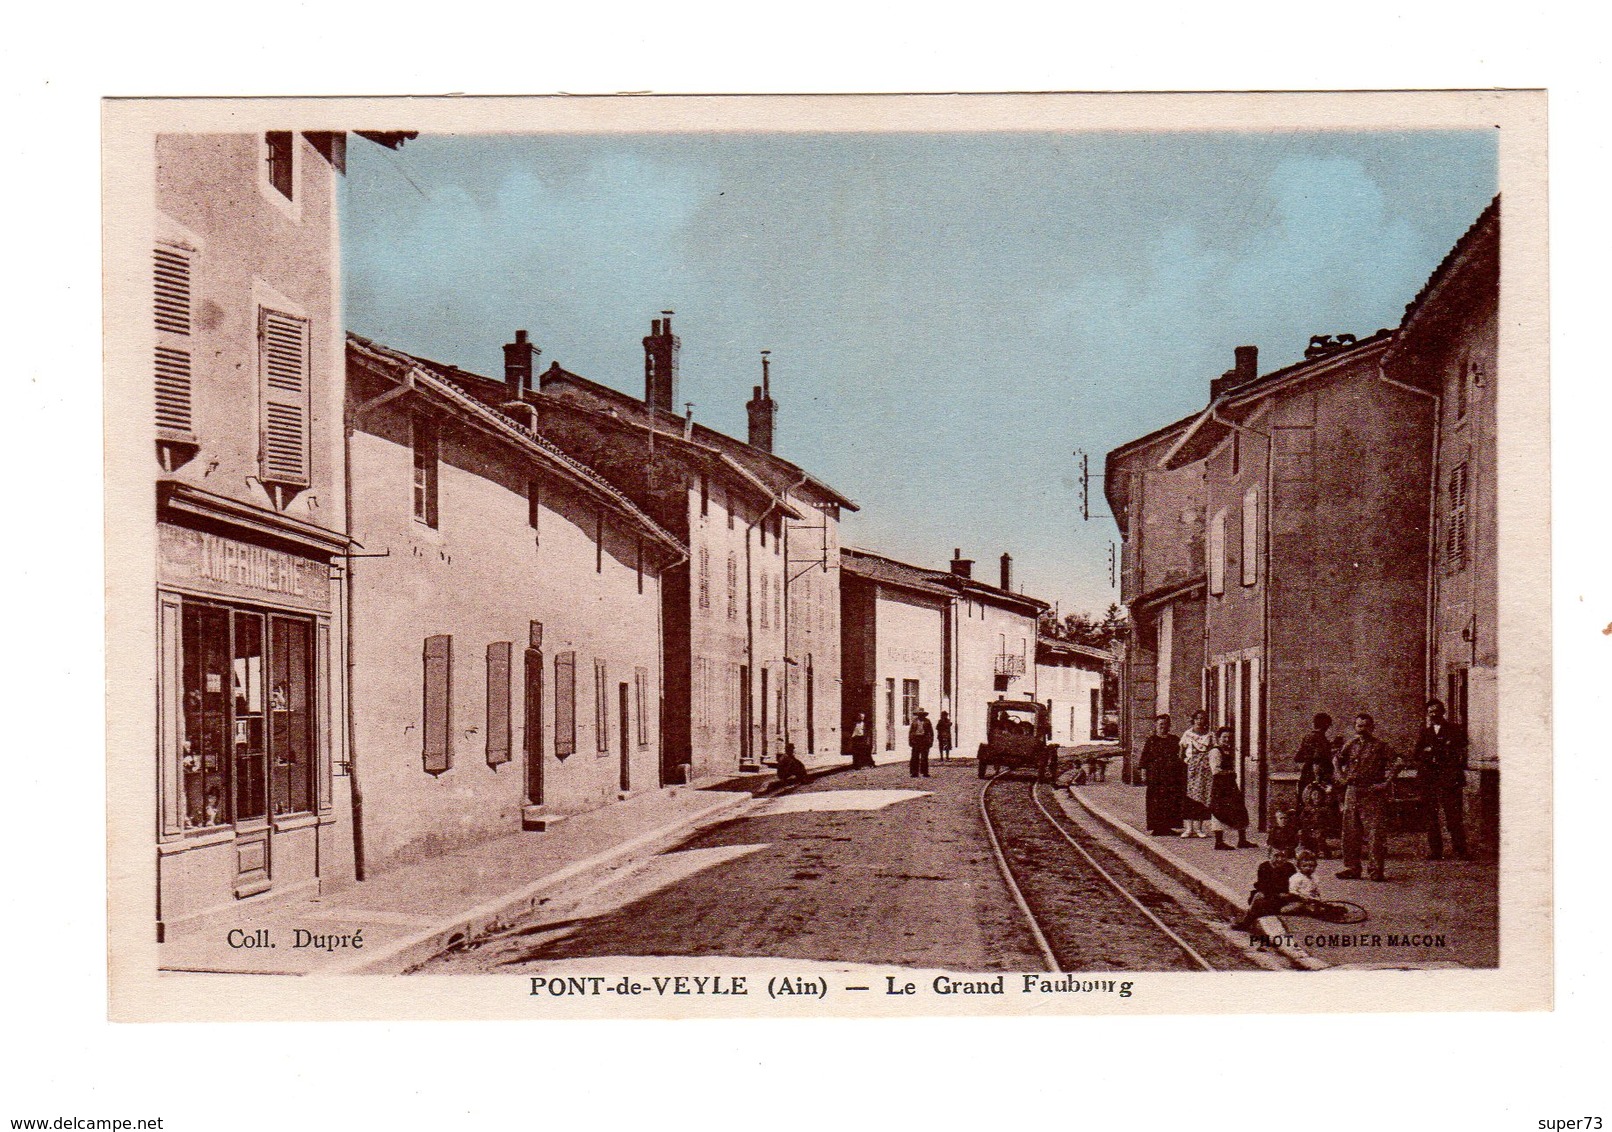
column 762, row 527
column 1455, row 539
column 705, row 496
column 284, row 399
column 640, row 684
column 1250, row 536
column 1217, row 554
column 705, row 577
column 762, row 583
column 171, row 307
column 1463, row 376
column 565, row 704
column 778, row 536
column 534, row 506
column 246, row 720
column 601, row 708
column 427, row 457
column 778, row 603
column 437, row 734
column 498, row 702
column 281, row 157
column 909, row 701
column 733, row 586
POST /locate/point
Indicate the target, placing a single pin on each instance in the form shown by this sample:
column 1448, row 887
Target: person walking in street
column 1226, row 794
column 1199, row 776
column 1441, row 752
column 1314, row 758
column 920, row 737
column 1165, row 775
column 861, row 744
column 943, row 736
column 1367, row 770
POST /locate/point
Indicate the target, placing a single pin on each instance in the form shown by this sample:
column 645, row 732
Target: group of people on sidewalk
column 1344, row 789
column 921, row 736
column 1192, row 781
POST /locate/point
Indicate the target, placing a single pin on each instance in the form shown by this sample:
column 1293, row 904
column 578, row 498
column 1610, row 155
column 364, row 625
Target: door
column 626, row 736
column 744, row 713
column 811, row 709
column 763, row 714
column 890, row 713
column 249, row 777
column 532, row 714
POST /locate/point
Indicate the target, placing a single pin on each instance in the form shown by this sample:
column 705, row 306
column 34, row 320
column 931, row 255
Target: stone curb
column 1208, row 888
column 492, row 914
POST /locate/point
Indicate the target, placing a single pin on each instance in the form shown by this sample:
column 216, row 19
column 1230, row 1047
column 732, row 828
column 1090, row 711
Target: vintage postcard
column 823, row 556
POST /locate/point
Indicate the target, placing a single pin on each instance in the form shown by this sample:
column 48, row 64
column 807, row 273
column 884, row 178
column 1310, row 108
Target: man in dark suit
column 1441, row 752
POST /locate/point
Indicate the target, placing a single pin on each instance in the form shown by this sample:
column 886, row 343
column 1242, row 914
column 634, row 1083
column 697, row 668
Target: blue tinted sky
column 950, row 315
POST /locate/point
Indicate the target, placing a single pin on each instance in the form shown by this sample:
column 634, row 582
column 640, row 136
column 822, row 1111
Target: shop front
column 244, row 761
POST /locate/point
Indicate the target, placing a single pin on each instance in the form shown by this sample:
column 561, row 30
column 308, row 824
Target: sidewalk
column 1427, row 914
column 407, row 914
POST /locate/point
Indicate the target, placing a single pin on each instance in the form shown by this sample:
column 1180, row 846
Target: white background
column 1320, row 1072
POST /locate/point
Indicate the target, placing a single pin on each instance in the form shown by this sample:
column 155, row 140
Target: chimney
column 660, row 364
column 1007, row 571
column 962, row 567
column 763, row 409
column 1247, row 363
column 519, row 356
column 1246, row 370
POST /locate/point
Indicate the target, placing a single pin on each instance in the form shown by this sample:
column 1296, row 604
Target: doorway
column 532, row 712
column 626, row 738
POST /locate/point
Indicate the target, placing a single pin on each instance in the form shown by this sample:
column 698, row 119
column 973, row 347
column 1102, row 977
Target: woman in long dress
column 1195, row 744
column 861, row 744
column 1161, row 763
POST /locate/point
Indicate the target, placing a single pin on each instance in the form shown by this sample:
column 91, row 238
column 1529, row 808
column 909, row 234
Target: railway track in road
column 1087, row 908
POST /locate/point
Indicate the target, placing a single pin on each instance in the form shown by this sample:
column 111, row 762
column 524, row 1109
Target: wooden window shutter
column 437, row 738
column 283, row 349
column 641, row 697
column 498, row 702
column 171, row 307
column 601, row 708
column 565, row 704
column 1455, row 537
column 1250, row 547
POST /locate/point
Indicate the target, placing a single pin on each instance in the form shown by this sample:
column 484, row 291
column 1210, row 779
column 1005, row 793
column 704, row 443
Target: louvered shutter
column 438, row 749
column 498, row 702
column 565, row 704
column 171, row 305
column 283, row 350
column 1455, row 539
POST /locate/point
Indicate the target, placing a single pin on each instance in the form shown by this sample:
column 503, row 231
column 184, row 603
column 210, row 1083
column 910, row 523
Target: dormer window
column 282, row 162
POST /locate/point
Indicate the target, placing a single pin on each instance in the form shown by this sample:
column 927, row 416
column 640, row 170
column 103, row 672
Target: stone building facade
column 1311, row 485
column 1447, row 349
column 244, row 301
column 507, row 606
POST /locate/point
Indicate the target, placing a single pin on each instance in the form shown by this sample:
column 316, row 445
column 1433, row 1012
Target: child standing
column 1315, row 820
column 1226, row 796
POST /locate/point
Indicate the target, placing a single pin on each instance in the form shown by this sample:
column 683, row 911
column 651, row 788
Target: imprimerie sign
column 198, row 559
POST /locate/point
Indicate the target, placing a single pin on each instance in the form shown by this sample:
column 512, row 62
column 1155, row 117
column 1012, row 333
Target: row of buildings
column 403, row 607
column 1322, row 539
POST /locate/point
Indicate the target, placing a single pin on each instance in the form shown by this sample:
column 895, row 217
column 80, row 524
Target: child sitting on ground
column 1271, row 888
column 1303, row 889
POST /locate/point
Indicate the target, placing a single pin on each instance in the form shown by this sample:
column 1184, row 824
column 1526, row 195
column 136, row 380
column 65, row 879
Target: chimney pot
column 962, row 567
